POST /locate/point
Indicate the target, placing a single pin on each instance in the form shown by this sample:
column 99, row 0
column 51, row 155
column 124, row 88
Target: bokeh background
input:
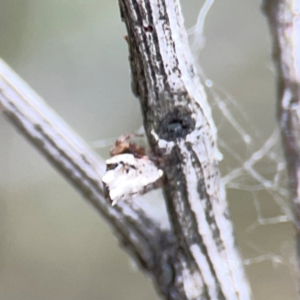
column 53, row 245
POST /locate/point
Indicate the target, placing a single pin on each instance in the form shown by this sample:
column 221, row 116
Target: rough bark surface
column 284, row 21
column 180, row 130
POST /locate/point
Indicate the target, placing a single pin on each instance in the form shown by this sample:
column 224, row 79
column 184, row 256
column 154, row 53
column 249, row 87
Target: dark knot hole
column 176, row 124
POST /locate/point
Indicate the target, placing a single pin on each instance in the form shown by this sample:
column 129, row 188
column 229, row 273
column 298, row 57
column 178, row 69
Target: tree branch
column 196, row 258
column 283, row 17
column 146, row 241
column 180, row 130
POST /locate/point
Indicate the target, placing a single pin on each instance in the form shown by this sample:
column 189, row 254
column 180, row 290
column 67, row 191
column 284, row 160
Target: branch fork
column 195, row 257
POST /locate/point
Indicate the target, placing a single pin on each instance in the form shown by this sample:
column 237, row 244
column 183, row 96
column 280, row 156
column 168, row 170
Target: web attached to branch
column 257, row 165
column 253, row 167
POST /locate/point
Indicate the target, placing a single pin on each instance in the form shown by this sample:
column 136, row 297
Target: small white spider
column 130, row 172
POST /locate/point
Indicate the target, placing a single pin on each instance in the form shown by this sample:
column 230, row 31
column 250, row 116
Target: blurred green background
column 53, row 245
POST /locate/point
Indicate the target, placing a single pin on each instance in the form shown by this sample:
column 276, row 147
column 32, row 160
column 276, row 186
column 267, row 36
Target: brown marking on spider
column 131, row 171
column 123, row 145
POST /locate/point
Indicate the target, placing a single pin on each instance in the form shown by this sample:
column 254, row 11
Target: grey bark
column 284, row 23
column 180, row 130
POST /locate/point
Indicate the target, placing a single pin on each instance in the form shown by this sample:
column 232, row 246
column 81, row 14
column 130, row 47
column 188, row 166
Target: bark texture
column 180, row 130
column 284, row 21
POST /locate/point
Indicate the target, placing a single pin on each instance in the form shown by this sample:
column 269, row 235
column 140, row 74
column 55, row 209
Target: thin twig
column 284, row 22
column 144, row 238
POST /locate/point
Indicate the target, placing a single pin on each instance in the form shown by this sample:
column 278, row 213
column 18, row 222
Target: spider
column 130, row 171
